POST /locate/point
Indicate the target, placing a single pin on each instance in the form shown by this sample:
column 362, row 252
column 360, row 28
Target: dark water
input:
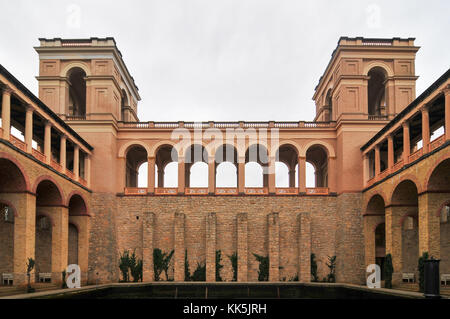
column 224, row 291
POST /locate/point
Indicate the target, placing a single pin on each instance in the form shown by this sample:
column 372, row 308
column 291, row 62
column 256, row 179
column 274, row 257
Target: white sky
column 224, row 60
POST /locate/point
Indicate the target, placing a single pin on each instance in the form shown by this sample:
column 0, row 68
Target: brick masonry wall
column 7, row 246
column 73, row 245
column 320, row 224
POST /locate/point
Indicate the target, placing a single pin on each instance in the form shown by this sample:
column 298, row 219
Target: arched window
column 136, row 157
column 124, row 104
column 317, row 156
column 329, row 106
column 226, row 166
column 77, row 92
column 166, row 167
column 376, row 92
column 196, row 166
column 286, row 161
column 257, row 161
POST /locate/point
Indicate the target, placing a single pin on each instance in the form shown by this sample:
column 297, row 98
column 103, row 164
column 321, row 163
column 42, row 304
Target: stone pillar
column 24, row 246
column 83, row 224
column 429, row 224
column 62, row 153
column 271, row 175
column 242, row 247
column 6, row 112
column 390, row 151
column 76, row 161
column 148, row 272
column 425, row 128
column 181, row 176
column 394, row 240
column 211, row 247
column 151, row 175
column 211, row 175
column 241, row 175
column 447, row 113
column 29, row 128
column 302, row 175
column 48, row 142
column 377, row 160
column 160, row 177
column 273, row 226
column 291, row 177
column 304, row 247
column 406, row 142
column 179, row 247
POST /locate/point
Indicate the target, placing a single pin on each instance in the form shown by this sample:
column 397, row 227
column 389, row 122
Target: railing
column 437, row 142
column 196, row 125
column 166, row 124
column 377, row 117
column 38, row 155
column 196, row 191
column 377, row 42
column 166, row 191
column 226, row 191
column 71, row 117
column 383, row 174
column 317, row 191
column 17, row 143
column 371, row 181
column 83, row 181
column 56, row 166
column 285, row 124
column 221, row 125
column 135, row 191
column 286, row 190
column 256, row 191
column 69, row 174
column 415, row 155
column 397, row 165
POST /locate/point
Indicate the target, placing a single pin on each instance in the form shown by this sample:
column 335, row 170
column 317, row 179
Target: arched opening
column 11, row 177
column 77, row 92
column 7, row 219
column 256, row 167
column 136, row 156
column 374, row 218
column 317, row 156
column 196, row 166
column 166, row 166
column 124, row 105
column 72, row 257
column 380, row 247
column 405, row 211
column 439, row 194
column 226, row 166
column 286, row 161
column 329, row 106
column 376, row 91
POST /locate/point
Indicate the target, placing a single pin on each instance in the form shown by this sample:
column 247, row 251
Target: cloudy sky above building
column 224, row 60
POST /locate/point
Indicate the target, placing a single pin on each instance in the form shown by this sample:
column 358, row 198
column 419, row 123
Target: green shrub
column 388, row 271
column 124, row 263
column 187, row 273
column 331, row 264
column 234, row 264
column 199, row 273
column 161, row 263
column 314, row 276
column 219, row 266
column 263, row 272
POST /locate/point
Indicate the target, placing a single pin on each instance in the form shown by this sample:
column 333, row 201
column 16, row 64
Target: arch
column 40, row 213
column 434, row 168
column 375, row 205
column 44, row 178
column 83, row 199
column 155, row 147
column 290, row 143
column 26, row 180
column 186, row 147
column 125, row 148
column 368, row 196
column 407, row 177
column 410, row 197
column 328, row 148
column 438, row 212
column 378, row 64
column 75, row 64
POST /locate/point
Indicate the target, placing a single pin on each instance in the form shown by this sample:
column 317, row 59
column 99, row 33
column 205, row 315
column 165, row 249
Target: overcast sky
column 224, row 60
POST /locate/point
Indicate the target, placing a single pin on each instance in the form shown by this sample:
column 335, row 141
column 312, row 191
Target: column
column 271, row 176
column 406, row 142
column 62, row 153
column 76, row 161
column 151, row 175
column 181, row 175
column 377, row 160
column 211, row 175
column 6, row 112
column 302, row 175
column 29, row 128
column 48, row 142
column 242, row 247
column 447, row 113
column 366, row 168
column 160, row 176
column 24, row 246
column 273, row 227
column 179, row 247
column 241, row 175
column 429, row 224
column 211, row 247
column 394, row 239
column 390, row 151
column 291, row 177
column 87, row 170
column 304, row 247
column 425, row 128
column 148, row 273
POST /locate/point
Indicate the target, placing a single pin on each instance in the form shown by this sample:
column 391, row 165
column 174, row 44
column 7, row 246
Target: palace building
column 70, row 158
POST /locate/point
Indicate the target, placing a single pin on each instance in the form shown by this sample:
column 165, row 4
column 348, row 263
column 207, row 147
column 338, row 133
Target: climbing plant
column 130, row 265
column 219, row 266
column 234, row 264
column 421, row 269
column 199, row 273
column 263, row 272
column 388, row 270
column 161, row 263
column 124, row 260
column 331, row 264
column 187, row 273
column 314, row 276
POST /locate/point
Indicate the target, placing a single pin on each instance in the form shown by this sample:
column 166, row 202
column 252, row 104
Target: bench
column 7, row 279
column 45, row 277
column 408, row 277
column 445, row 278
